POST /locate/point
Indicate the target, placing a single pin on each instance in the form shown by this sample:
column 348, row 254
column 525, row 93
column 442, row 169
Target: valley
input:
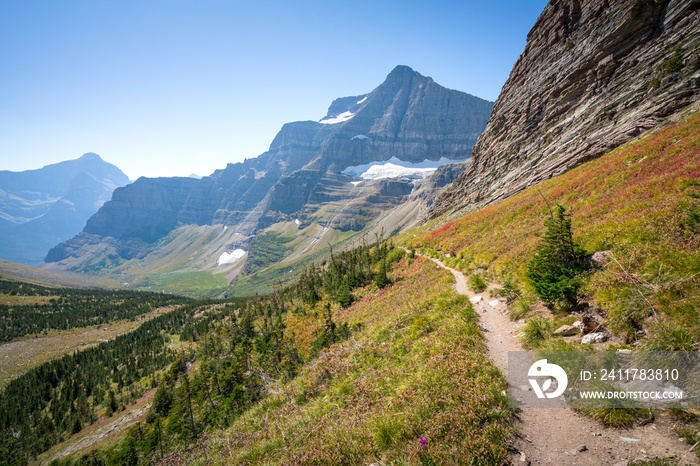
column 22, row 355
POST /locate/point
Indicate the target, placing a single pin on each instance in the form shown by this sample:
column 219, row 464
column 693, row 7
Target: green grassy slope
column 638, row 202
column 417, row 369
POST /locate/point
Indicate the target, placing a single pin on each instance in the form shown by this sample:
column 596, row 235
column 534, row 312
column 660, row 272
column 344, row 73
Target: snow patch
column 360, row 101
column 230, row 257
column 225, row 228
column 396, row 168
column 389, row 170
column 343, row 117
column 297, row 221
column 360, row 136
column 355, row 183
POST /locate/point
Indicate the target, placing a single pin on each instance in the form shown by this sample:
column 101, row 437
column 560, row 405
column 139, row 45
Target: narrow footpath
column 562, row 436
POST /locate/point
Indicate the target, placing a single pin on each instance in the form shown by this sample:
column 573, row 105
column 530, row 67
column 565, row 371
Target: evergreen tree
column 345, row 298
column 329, row 328
column 112, row 406
column 188, row 400
column 162, row 401
column 555, row 270
column 381, row 279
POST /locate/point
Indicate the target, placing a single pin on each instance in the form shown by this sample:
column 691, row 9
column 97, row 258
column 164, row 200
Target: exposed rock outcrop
column 594, row 74
column 409, row 117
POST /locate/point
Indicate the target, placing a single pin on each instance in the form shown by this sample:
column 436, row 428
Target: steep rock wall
column 594, row 74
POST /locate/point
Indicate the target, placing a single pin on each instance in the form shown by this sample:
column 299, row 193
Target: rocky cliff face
column 409, row 117
column 594, row 74
column 40, row 208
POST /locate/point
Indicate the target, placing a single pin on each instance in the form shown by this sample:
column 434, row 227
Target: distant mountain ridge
column 408, row 117
column 39, row 208
column 593, row 75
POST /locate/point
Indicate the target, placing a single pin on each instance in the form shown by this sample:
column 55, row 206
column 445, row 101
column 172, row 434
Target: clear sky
column 169, row 88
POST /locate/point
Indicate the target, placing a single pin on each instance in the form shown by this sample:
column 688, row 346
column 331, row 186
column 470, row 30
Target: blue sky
column 168, row 88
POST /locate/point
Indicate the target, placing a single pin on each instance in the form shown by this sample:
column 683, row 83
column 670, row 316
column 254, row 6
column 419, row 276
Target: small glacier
column 230, row 257
column 343, row 117
column 396, row 168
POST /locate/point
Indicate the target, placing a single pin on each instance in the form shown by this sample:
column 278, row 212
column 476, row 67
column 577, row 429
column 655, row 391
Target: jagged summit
column 401, row 72
column 399, row 76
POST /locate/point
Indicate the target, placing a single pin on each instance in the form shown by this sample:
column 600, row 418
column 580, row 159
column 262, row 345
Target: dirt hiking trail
column 561, row 436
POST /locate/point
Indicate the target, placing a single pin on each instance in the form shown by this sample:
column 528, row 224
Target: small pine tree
column 381, row 279
column 675, row 63
column 112, row 405
column 77, row 426
column 345, row 297
column 187, row 398
column 555, row 270
column 162, row 401
column 329, row 328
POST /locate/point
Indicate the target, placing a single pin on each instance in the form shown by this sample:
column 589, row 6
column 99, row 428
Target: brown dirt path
column 558, row 436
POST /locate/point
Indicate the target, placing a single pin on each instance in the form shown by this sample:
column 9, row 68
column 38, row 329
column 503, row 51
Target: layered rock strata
column 594, row 74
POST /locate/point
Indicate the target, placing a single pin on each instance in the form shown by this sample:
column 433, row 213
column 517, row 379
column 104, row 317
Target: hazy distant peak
column 90, row 156
column 42, row 207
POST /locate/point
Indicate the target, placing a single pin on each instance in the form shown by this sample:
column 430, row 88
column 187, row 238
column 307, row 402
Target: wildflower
column 423, row 442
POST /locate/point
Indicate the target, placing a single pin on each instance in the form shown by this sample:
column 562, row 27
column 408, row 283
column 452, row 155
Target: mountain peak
column 401, row 71
column 400, row 77
column 90, row 156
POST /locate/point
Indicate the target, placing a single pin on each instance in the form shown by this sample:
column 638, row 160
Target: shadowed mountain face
column 408, row 117
column 594, row 74
column 39, row 208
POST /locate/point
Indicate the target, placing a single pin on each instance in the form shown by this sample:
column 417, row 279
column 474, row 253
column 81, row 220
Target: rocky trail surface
column 560, row 436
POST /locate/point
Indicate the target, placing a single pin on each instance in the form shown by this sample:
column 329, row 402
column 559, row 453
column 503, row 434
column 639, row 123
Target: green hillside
column 640, row 202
